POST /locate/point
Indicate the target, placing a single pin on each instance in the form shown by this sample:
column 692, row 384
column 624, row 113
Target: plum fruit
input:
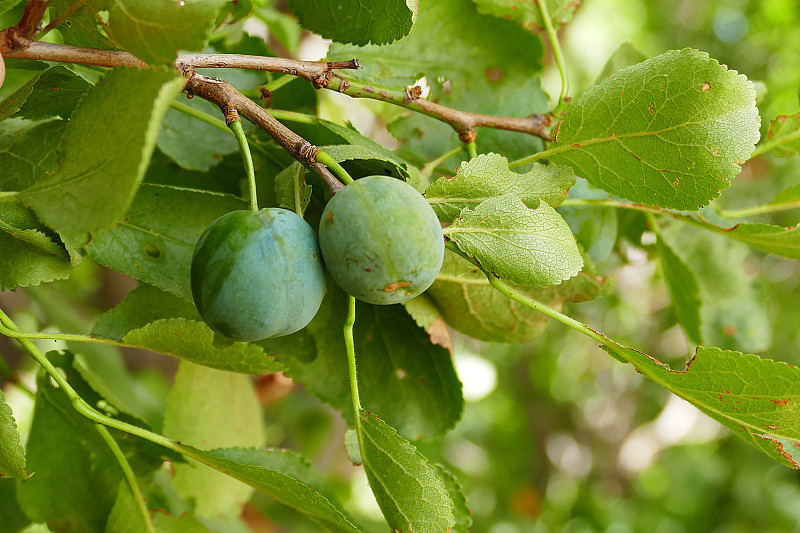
column 381, row 241
column 257, row 274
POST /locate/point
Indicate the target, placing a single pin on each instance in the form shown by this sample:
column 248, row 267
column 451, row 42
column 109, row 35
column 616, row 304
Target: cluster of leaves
column 131, row 182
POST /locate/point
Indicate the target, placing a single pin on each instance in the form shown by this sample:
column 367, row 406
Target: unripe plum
column 381, row 241
column 257, row 274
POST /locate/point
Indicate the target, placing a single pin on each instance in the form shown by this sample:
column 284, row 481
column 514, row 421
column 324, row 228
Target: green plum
column 258, row 274
column 381, row 241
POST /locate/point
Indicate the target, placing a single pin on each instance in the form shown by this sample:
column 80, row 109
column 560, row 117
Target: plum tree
column 257, row 274
column 381, row 241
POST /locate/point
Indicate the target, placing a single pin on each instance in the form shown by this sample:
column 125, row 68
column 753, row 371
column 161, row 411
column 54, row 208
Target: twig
column 24, row 32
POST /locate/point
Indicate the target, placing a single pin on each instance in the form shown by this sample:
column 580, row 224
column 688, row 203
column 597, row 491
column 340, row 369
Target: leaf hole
column 153, row 251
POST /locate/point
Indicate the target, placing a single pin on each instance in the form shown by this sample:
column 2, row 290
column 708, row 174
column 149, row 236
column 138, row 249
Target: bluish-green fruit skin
column 381, row 241
column 258, row 274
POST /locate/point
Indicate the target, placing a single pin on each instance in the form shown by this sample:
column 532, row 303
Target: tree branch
column 24, row 32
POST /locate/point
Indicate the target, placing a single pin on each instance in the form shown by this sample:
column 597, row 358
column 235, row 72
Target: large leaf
column 154, row 31
column 81, row 22
column 358, row 22
column 210, row 409
column 105, row 157
column 12, row 455
column 408, row 488
column 528, row 14
column 671, row 131
column 400, row 372
column 488, row 175
column 158, row 249
column 53, row 92
column 471, row 305
column 29, row 151
column 526, row 246
column 259, row 470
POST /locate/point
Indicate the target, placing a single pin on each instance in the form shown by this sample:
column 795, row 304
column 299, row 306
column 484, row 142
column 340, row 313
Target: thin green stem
column 351, row 367
column 544, row 154
column 557, row 54
column 277, row 83
column 247, row 159
column 293, row 116
column 472, row 149
column 335, row 167
column 774, row 143
column 199, row 115
column 68, row 337
column 129, row 476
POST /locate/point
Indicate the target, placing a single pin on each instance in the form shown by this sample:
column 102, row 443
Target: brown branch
column 72, row 54
column 23, row 33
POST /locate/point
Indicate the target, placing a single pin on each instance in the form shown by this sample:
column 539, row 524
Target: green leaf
column 371, row 162
column 158, row 249
column 76, row 476
column 125, row 516
column 194, row 342
column 734, row 311
column 351, row 445
column 624, row 56
column 212, row 409
column 768, row 238
column 784, row 135
column 671, row 131
column 757, row 399
column 11, row 515
column 683, row 289
column 461, row 510
column 6, row 5
column 789, row 198
column 53, row 92
column 29, row 151
column 291, row 189
column 105, row 159
column 528, row 13
column 191, row 143
column 187, row 523
column 281, row 486
column 407, row 487
column 470, row 305
column 488, row 175
column 400, row 372
column 154, row 31
column 526, row 246
column 30, row 255
column 12, row 455
column 83, row 26
column 358, row 22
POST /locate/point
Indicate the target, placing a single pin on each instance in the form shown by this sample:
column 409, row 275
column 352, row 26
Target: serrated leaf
column 105, row 159
column 76, row 475
column 470, row 305
column 194, row 342
column 212, row 409
column 53, row 92
column 461, row 511
column 282, row 487
column 683, row 289
column 777, row 240
column 757, row 399
column 291, row 189
column 29, row 151
column 528, row 14
column 671, row 131
column 154, row 31
column 784, row 135
column 357, row 21
column 488, row 175
column 401, row 374
column 408, row 488
column 12, row 455
column 82, row 25
column 526, row 246
column 155, row 240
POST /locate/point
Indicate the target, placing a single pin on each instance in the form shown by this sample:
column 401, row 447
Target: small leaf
column 211, row 409
column 194, row 342
column 526, row 246
column 105, row 159
column 683, row 289
column 407, row 487
column 784, row 135
column 291, row 189
column 671, row 131
column 53, row 92
column 356, row 21
column 528, row 13
column 125, row 516
column 488, row 175
column 757, row 399
column 158, row 249
column 283, row 487
column 154, row 31
column 12, row 455
column 461, row 510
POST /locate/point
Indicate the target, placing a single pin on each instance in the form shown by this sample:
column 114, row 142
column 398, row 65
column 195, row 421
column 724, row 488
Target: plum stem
column 247, row 158
column 332, row 164
column 351, row 365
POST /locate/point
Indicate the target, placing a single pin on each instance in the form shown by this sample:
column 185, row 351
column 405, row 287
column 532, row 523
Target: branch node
column 343, row 85
column 467, row 135
column 305, row 151
column 412, row 93
column 231, row 114
column 322, row 80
